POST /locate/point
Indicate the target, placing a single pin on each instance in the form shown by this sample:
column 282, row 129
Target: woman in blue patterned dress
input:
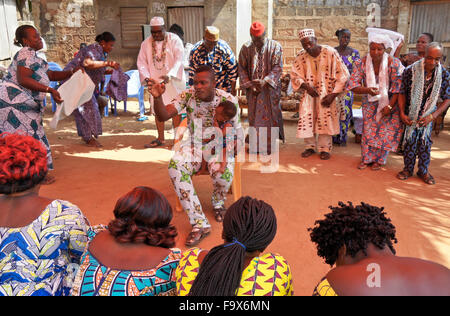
column 41, row 239
column 350, row 56
column 24, row 88
column 134, row 255
column 93, row 59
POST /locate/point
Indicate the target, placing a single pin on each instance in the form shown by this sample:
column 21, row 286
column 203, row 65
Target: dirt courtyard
column 300, row 191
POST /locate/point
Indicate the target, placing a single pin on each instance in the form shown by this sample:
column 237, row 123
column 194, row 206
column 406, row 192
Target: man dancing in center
column 200, row 103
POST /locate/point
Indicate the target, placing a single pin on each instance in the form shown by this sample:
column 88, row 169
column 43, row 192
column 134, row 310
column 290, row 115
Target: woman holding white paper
column 24, row 89
column 93, row 59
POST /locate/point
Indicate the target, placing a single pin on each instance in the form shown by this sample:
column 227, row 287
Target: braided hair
column 352, row 226
column 248, row 223
column 23, row 163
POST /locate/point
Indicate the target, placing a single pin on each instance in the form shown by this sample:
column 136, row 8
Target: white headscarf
column 394, row 38
column 383, row 74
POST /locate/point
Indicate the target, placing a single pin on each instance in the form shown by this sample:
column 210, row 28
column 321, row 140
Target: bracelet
column 47, row 89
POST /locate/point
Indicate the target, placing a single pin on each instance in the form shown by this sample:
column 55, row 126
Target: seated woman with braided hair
column 359, row 240
column 237, row 267
column 133, row 256
column 41, row 239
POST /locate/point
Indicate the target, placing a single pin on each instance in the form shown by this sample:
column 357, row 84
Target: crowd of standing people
column 135, row 254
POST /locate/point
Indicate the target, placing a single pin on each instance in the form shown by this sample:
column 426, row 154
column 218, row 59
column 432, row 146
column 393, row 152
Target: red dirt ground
column 300, row 192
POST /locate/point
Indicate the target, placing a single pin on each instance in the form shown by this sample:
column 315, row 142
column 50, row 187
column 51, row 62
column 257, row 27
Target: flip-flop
column 154, row 144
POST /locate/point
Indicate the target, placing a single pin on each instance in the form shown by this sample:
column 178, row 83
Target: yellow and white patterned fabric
column 267, row 275
column 324, row 289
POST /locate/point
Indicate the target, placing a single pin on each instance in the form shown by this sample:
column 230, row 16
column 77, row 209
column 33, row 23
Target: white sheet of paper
column 75, row 92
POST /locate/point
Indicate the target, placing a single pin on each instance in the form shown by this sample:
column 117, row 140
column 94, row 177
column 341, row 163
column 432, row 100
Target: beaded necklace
column 162, row 58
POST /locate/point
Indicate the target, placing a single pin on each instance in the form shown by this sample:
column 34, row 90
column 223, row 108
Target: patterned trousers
column 417, row 147
column 182, row 168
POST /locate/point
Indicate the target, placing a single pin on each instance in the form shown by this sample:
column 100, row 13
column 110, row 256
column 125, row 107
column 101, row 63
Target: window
column 131, row 21
column 190, row 19
column 431, row 18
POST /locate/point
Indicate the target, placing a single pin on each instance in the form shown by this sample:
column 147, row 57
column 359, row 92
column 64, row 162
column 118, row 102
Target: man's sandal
column 308, row 152
column 219, row 214
column 403, row 175
column 196, row 235
column 427, row 178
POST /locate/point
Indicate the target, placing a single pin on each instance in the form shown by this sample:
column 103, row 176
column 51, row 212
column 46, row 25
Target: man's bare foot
column 94, row 143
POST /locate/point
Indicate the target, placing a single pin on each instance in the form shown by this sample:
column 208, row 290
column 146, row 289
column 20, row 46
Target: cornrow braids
column 249, row 225
column 352, row 226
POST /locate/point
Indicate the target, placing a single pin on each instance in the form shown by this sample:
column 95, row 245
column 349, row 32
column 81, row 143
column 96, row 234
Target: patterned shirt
column 26, row 57
column 200, row 116
column 95, row 279
column 268, row 275
column 407, row 85
column 41, row 259
column 221, row 58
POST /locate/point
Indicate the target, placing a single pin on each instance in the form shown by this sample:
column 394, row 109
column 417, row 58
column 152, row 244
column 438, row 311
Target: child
column 223, row 115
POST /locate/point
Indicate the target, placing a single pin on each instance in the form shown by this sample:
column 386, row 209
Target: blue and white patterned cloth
column 222, row 60
column 42, row 258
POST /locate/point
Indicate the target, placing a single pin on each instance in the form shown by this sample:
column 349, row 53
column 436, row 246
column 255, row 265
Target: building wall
column 64, row 25
column 327, row 16
column 67, row 23
column 220, row 13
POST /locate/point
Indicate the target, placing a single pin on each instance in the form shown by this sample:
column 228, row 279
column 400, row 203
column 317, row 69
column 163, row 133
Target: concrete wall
column 67, row 23
column 64, row 25
column 327, row 16
column 220, row 13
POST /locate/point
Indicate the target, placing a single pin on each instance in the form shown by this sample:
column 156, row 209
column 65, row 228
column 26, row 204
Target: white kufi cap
column 306, row 33
column 157, row 21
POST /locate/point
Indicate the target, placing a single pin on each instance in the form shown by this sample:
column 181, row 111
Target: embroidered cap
column 257, row 29
column 157, row 21
column 212, row 33
column 306, row 33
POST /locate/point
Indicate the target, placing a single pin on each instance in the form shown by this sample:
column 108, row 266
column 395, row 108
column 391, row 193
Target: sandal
column 154, row 144
column 362, row 166
column 427, row 178
column 376, row 166
column 324, row 155
column 403, row 175
column 308, row 152
column 196, row 235
column 219, row 214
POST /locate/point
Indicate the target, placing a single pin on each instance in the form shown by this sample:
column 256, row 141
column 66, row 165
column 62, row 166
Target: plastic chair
column 134, row 90
column 107, row 79
column 53, row 84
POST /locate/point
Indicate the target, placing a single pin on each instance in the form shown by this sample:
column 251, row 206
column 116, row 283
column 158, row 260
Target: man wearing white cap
column 320, row 71
column 161, row 58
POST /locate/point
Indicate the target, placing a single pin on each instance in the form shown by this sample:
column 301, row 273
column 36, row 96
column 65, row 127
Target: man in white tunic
column 320, row 71
column 161, row 58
